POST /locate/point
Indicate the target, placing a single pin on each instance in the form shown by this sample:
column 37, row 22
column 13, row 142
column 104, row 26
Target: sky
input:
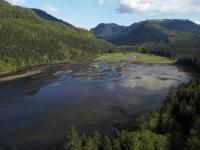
column 89, row 13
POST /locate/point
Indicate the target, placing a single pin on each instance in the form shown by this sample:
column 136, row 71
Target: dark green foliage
column 46, row 16
column 176, row 126
column 176, row 47
column 185, row 49
column 150, row 31
column 74, row 141
column 183, row 109
column 193, row 62
column 107, row 31
column 181, row 26
column 27, row 39
column 144, row 33
column 124, row 140
column 107, row 144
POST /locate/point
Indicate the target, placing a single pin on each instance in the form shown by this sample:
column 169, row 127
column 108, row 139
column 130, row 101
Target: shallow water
column 38, row 110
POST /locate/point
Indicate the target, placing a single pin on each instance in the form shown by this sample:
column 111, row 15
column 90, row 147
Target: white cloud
column 17, row 2
column 157, row 7
column 50, row 9
column 101, row 2
column 197, row 22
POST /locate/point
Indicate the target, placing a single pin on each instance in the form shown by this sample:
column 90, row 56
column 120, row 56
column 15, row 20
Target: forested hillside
column 108, row 31
column 49, row 17
column 27, row 39
column 149, row 31
column 185, row 48
column 176, row 126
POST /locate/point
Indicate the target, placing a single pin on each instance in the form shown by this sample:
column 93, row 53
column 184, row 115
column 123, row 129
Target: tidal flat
column 40, row 108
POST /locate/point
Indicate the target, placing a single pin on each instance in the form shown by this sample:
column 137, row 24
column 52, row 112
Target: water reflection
column 90, row 97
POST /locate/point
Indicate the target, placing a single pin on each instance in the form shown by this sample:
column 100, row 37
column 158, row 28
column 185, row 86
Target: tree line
column 176, row 126
column 26, row 39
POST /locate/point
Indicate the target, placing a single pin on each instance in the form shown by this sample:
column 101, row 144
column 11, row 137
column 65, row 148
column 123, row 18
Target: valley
column 24, row 72
column 108, row 93
column 67, row 86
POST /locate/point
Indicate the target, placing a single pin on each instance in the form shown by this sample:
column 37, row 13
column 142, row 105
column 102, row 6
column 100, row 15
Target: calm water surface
column 38, row 110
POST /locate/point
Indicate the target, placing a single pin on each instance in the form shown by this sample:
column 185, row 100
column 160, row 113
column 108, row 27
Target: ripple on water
column 90, row 98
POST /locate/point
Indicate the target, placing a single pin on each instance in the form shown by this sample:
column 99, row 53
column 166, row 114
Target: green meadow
column 135, row 57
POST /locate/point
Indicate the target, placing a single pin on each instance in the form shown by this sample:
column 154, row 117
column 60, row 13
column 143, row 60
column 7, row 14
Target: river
column 38, row 110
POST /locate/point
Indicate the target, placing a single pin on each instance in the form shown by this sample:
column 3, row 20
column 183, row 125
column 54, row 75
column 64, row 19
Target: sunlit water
column 39, row 110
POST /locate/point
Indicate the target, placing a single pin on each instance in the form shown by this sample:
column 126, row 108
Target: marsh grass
column 135, row 57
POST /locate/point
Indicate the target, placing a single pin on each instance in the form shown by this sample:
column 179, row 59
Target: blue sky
column 89, row 13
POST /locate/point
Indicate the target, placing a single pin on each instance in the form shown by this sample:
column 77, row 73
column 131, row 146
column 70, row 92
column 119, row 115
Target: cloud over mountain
column 101, row 2
column 17, row 2
column 50, row 9
column 197, row 22
column 157, row 7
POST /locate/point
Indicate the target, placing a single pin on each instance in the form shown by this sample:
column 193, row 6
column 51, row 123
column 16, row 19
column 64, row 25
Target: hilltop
column 149, row 31
column 29, row 37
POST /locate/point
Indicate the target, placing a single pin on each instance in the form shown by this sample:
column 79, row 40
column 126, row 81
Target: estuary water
column 91, row 96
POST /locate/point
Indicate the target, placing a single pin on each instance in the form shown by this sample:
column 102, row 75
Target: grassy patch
column 6, row 68
column 135, row 57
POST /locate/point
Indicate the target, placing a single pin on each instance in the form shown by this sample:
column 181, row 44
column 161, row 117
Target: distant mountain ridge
column 107, row 30
column 145, row 31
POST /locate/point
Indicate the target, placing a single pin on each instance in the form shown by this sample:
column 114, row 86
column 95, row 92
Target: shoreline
column 28, row 71
column 25, row 72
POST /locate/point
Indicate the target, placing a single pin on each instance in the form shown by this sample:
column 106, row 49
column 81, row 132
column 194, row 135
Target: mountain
column 49, row 17
column 107, row 31
column 180, row 26
column 145, row 31
column 27, row 38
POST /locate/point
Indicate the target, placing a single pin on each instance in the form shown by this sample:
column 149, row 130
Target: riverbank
column 136, row 58
column 23, row 72
column 78, row 94
column 174, row 126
